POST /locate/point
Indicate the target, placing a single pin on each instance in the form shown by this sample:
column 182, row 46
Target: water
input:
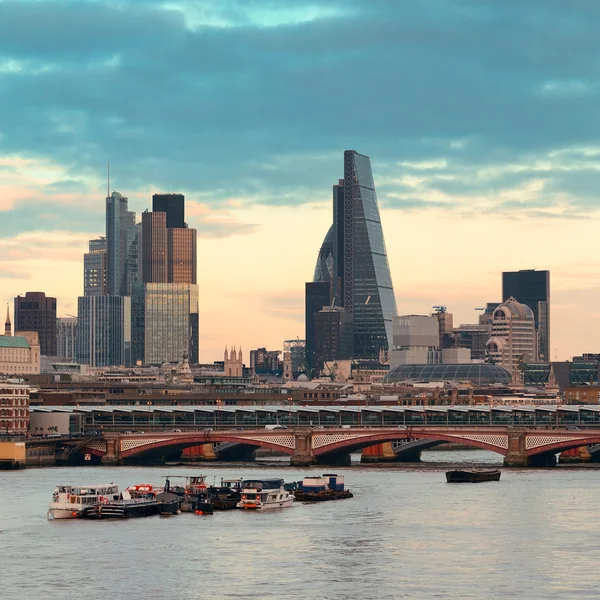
column 405, row 534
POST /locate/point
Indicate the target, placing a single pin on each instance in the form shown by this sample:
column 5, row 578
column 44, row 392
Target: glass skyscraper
column 104, row 331
column 532, row 288
column 121, row 244
column 353, row 259
column 170, row 322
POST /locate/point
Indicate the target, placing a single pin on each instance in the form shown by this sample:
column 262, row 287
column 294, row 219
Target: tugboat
column 193, row 494
column 264, row 494
column 320, row 489
column 70, row 502
column 472, row 475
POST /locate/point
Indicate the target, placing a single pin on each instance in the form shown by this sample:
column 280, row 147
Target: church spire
column 7, row 324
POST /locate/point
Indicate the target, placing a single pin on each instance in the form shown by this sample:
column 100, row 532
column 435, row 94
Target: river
column 405, row 534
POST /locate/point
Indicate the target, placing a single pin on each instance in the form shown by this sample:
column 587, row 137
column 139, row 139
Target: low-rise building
column 14, row 406
column 20, row 354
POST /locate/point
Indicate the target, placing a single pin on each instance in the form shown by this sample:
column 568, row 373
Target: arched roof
column 515, row 310
column 476, row 373
column 324, row 266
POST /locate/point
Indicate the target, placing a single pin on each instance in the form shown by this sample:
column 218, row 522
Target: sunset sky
column 481, row 119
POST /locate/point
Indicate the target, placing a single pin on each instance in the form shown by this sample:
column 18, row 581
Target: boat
column 472, row 475
column 264, row 494
column 320, row 489
column 193, row 494
column 70, row 502
column 124, row 508
column 227, row 495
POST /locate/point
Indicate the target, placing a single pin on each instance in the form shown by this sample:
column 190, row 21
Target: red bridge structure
column 520, row 446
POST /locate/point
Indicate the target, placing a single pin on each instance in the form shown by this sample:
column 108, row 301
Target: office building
column 513, row 336
column 171, row 322
column 181, row 259
column 173, row 205
column 121, row 241
column 36, row 312
column 415, row 340
column 333, row 336
column 353, row 260
column 317, row 296
column 265, row 362
column 473, row 337
column 154, row 247
column 104, row 331
column 532, row 288
column 66, row 337
column 14, row 399
column 94, row 268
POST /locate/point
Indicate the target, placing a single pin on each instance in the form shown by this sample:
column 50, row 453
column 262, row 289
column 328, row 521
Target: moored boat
column 264, row 494
column 472, row 475
column 227, row 495
column 320, row 489
column 70, row 502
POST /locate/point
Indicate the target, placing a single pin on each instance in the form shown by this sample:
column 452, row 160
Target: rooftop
column 8, row 341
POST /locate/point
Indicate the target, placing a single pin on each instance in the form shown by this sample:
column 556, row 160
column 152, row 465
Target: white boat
column 264, row 494
column 69, row 502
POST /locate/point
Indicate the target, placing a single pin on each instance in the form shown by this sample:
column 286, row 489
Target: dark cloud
column 250, row 110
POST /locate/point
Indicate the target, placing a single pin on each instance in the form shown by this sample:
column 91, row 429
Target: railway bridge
column 311, row 445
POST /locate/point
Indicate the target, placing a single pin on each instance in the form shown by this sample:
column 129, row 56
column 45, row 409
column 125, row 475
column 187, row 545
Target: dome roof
column 511, row 309
column 476, row 373
column 302, row 377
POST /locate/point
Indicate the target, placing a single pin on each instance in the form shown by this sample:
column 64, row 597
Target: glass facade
column 66, row 337
column 181, row 260
column 170, row 322
column 104, row 331
column 173, row 205
column 353, row 257
column 532, row 288
column 37, row 312
column 154, row 247
column 477, row 373
column 94, row 268
column 120, row 244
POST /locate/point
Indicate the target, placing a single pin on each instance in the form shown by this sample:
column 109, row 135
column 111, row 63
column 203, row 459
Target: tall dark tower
column 353, row 259
column 173, row 205
column 532, row 288
column 37, row 312
column 7, row 323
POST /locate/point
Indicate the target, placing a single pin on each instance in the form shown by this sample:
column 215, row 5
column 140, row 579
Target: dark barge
column 472, row 476
column 320, row 489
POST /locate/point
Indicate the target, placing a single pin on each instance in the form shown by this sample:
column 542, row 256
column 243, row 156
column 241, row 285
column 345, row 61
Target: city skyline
column 485, row 162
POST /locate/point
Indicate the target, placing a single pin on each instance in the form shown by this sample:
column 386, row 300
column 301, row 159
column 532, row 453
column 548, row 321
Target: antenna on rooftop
column 108, row 180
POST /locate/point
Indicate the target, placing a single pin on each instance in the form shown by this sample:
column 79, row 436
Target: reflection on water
column 405, row 534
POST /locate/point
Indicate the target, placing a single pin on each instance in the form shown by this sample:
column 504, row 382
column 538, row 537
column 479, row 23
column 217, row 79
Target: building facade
column 37, row 312
column 513, row 340
column 171, row 322
column 104, row 330
column 317, row 295
column 94, row 268
column 532, row 288
column 233, row 363
column 263, row 361
column 66, row 337
column 121, row 244
column 14, row 406
column 353, row 259
column 20, row 354
column 181, row 255
column 333, row 336
column 173, row 205
column 415, row 340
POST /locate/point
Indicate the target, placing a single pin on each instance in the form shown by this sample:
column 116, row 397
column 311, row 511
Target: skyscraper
column 104, row 330
column 94, row 268
column 173, row 205
column 120, row 244
column 66, row 337
column 36, row 312
column 353, row 259
column 532, row 288
column 165, row 308
column 317, row 295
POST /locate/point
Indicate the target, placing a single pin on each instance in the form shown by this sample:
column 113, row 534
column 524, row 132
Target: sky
column 481, row 119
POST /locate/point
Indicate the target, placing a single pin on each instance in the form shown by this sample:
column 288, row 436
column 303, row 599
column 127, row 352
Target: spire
column 240, row 355
column 232, row 355
column 225, row 355
column 7, row 324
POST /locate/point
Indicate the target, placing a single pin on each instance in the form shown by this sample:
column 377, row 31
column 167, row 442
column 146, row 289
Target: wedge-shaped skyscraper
column 353, row 260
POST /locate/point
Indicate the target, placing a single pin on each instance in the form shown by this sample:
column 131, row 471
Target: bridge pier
column 303, row 452
column 113, row 452
column 517, row 454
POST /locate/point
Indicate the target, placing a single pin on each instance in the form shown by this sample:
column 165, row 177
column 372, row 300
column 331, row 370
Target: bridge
column 520, row 446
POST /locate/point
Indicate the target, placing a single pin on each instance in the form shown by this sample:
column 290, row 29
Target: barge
column 472, row 475
column 71, row 502
column 320, row 489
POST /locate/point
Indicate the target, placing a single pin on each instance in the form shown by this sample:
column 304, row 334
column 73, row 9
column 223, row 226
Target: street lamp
column 149, row 404
column 218, row 413
column 290, row 400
